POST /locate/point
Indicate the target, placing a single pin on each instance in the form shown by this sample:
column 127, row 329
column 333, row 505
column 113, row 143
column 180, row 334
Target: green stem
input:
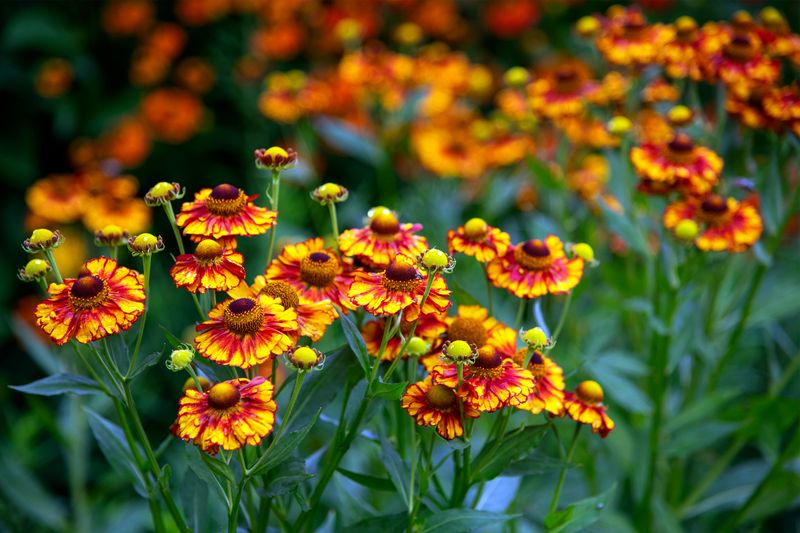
column 146, row 262
column 52, row 260
column 334, row 223
column 195, row 377
column 488, row 291
column 298, row 382
column 198, row 307
column 563, row 473
column 523, row 303
column 174, row 224
column 404, row 346
column 563, row 318
column 114, row 251
column 273, row 197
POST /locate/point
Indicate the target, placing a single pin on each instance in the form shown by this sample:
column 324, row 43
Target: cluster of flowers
column 384, row 268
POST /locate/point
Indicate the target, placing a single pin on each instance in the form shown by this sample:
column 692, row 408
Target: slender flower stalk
column 563, row 473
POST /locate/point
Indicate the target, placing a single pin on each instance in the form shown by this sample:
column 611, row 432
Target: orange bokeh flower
column 479, row 240
column 585, row 405
column 382, row 239
column 231, row 414
column 727, row 225
column 678, row 165
column 105, row 299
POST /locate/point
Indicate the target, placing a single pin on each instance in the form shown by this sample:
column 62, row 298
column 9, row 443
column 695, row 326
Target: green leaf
column 371, row 482
column 459, row 520
column 544, row 176
column 579, row 515
column 699, row 436
column 283, row 447
column 285, row 478
column 320, row 388
column 60, row 384
column 398, row 470
column 496, row 456
column 218, row 467
column 114, row 446
column 172, row 339
column 355, row 340
column 147, row 362
column 389, row 391
column 391, row 523
column 24, row 492
column 628, row 231
column 700, row 410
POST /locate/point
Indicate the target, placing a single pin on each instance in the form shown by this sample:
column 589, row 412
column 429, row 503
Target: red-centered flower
column 678, row 165
column 313, row 318
column 230, row 415
column 399, row 288
column 727, row 225
column 566, row 91
column 436, row 405
column 382, row 239
column 105, row 299
column 224, row 211
column 548, row 379
column 627, row 39
column 247, row 331
column 491, row 382
column 479, row 240
column 535, row 268
column 210, row 267
column 741, row 64
column 585, row 405
column 428, row 328
column 315, row 271
column 681, row 56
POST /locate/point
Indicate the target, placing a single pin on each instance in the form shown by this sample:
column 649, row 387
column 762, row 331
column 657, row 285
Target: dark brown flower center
column 88, row 292
column 740, row 49
column 385, row 224
column 319, row 269
column 487, row 358
column 223, row 396
column 284, row 292
column 244, row 316
column 208, row 252
column 226, row 200
column 680, row 149
column 400, row 276
column 470, row 330
column 567, row 80
column 634, row 28
column 536, row 365
column 533, row 255
column 714, row 210
column 441, row 397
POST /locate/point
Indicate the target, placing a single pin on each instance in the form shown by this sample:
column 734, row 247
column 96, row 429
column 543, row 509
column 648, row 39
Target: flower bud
column 686, row 230
column 145, row 244
column 680, row 116
column 584, row 251
column 435, row 260
column 33, row 270
column 619, row 125
column 111, row 235
column 163, row 192
column 417, row 346
column 587, row 26
column 329, row 193
column 305, row 358
column 590, row 392
column 42, row 239
column 459, row 351
column 408, row 34
column 275, row 158
column 348, row 30
column 180, row 358
column 516, row 77
column 535, row 338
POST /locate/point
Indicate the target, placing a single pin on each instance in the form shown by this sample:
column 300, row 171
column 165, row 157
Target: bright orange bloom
column 173, row 114
column 130, row 213
column 628, row 40
column 60, row 198
column 589, row 179
column 535, row 268
column 247, row 331
column 678, row 165
column 566, row 91
column 585, row 405
column 399, row 288
column 436, row 405
column 741, row 64
column 54, row 78
column 382, row 240
column 479, row 240
column 230, row 415
column 548, row 379
column 315, row 271
column 727, row 225
column 428, row 328
column 104, row 300
column 491, row 382
column 313, row 318
column 681, row 56
column 783, row 105
column 209, row 267
column 223, row 211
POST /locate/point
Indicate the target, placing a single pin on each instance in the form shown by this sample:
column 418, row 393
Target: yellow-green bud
column 435, row 259
column 584, row 251
column 42, row 239
column 459, row 350
column 516, row 77
column 587, row 26
column 304, row 358
column 330, row 192
column 686, row 230
column 680, row 115
column 180, row 359
column 41, row 236
column 535, row 338
column 33, row 270
column 417, row 346
column 619, row 125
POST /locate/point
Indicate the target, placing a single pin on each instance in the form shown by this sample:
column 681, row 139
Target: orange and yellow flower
column 313, row 318
column 60, row 198
column 230, row 415
column 535, row 268
column 428, row 328
column 104, row 299
column 627, row 39
column 382, row 239
column 247, row 331
column 224, row 211
column 681, row 56
column 727, row 225
column 210, row 267
column 678, row 165
column 491, row 382
column 565, row 91
column 315, row 271
column 399, row 288
column 548, row 379
column 740, row 64
column 585, row 405
column 436, row 405
column 479, row 240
